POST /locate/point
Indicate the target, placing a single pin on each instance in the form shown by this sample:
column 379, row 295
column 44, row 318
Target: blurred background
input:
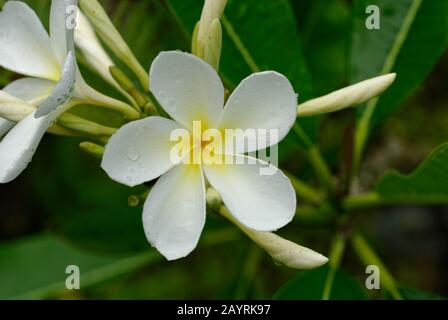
column 64, row 210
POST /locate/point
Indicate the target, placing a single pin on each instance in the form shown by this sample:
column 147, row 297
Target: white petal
column 12, row 108
column 260, row 202
column 62, row 26
column 140, row 151
column 5, row 126
column 63, row 89
column 174, row 213
column 24, row 44
column 188, row 88
column 264, row 100
column 30, row 90
column 18, row 146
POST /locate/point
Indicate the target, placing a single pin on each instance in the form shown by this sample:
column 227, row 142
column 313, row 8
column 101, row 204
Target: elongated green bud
column 347, row 97
column 112, row 38
column 194, row 40
column 81, row 125
column 92, row 148
column 127, row 85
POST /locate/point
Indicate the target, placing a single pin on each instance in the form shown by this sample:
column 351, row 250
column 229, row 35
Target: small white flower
column 190, row 90
column 53, row 79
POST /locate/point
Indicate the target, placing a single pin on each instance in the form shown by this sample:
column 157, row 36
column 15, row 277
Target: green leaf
column 35, row 267
column 249, row 45
column 427, row 184
column 309, row 285
column 416, row 294
column 412, row 38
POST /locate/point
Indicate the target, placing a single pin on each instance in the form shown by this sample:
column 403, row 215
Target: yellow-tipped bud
column 347, row 97
column 92, row 148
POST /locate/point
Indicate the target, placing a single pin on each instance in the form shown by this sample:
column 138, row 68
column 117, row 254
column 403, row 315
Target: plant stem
column 362, row 202
column 369, row 257
column 311, row 216
column 316, row 159
column 336, row 254
column 321, row 168
column 248, row 273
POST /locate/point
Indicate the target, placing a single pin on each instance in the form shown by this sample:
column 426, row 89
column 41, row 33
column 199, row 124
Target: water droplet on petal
column 133, row 155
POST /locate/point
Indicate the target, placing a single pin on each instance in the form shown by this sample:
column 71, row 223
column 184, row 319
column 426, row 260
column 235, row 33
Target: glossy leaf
column 35, row 267
column 413, row 35
column 427, row 184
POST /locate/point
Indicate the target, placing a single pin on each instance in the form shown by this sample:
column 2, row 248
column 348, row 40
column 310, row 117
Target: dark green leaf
column 427, row 184
column 410, row 54
column 309, row 285
column 35, row 267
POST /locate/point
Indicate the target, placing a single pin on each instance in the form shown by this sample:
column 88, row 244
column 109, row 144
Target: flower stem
column 248, row 273
column 316, row 159
column 369, row 257
column 336, row 254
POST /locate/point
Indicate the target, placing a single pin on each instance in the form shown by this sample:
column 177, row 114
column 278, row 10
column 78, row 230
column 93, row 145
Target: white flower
column 53, row 78
column 190, row 90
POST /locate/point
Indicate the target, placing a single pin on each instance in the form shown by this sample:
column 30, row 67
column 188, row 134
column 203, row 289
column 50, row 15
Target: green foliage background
column 64, row 210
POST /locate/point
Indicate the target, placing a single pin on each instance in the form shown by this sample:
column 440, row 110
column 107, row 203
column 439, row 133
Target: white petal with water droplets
column 140, row 151
column 264, row 100
column 188, row 88
column 63, row 90
column 19, row 145
column 24, row 44
column 174, row 213
column 260, row 202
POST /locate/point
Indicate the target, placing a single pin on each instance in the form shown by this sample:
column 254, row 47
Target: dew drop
column 133, row 155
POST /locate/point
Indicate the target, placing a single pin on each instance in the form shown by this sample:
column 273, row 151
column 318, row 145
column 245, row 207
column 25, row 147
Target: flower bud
column 92, row 148
column 213, row 9
column 347, row 97
column 281, row 250
column 213, row 44
column 76, row 123
column 112, row 38
column 12, row 108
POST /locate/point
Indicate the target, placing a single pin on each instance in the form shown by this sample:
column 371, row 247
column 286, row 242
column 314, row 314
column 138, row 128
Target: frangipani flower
column 190, row 90
column 53, row 78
